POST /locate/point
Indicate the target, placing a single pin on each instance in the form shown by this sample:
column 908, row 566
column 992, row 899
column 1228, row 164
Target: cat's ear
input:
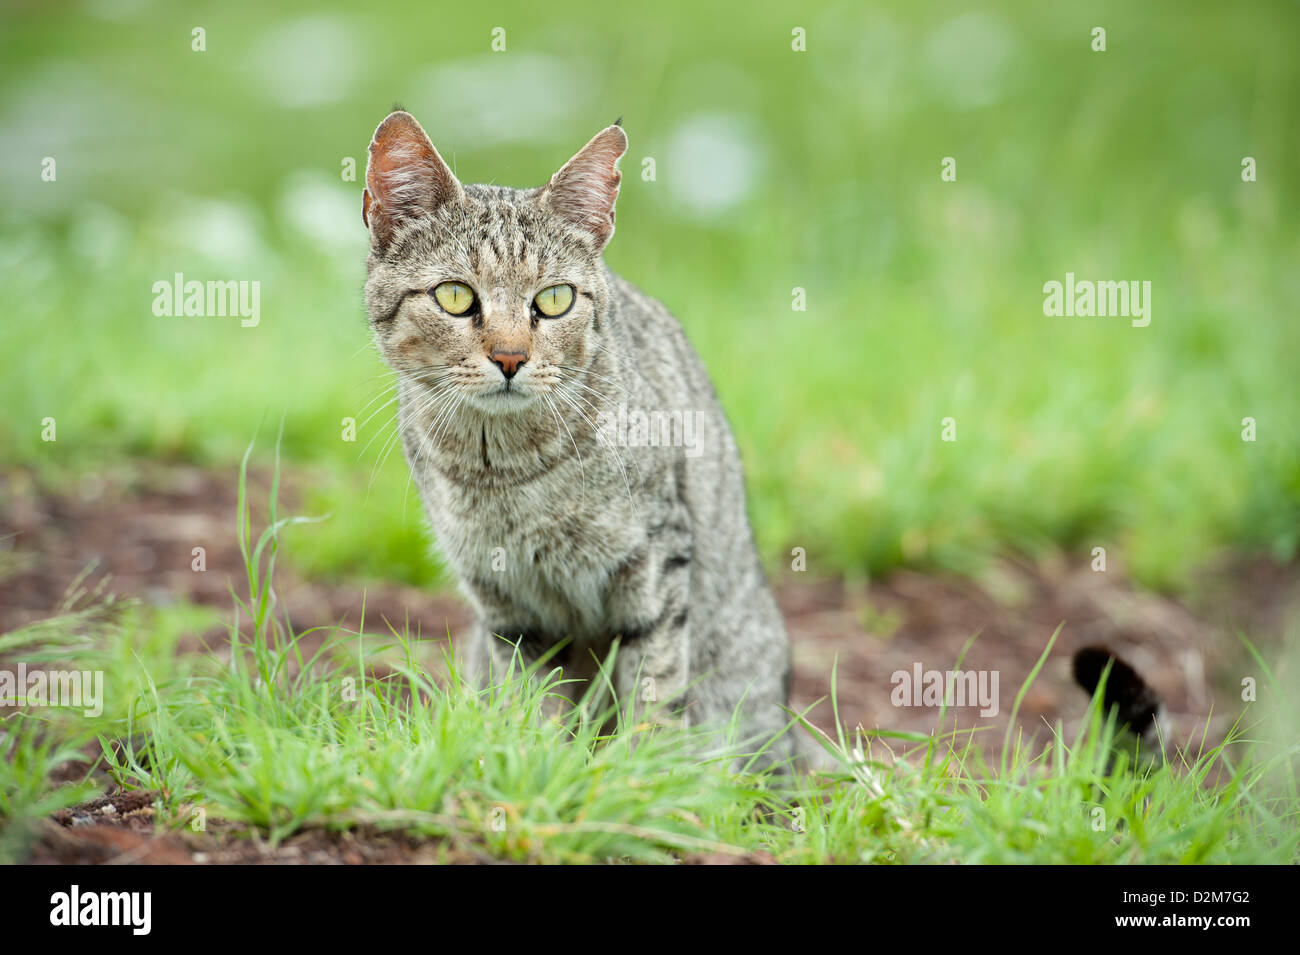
column 405, row 177
column 585, row 189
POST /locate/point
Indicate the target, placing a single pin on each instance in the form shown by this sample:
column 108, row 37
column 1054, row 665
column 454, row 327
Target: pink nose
column 508, row 361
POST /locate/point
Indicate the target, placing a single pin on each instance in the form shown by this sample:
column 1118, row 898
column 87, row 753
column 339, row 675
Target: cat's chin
column 502, row 402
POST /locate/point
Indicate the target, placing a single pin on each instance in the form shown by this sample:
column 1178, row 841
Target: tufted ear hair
column 405, row 177
column 585, row 188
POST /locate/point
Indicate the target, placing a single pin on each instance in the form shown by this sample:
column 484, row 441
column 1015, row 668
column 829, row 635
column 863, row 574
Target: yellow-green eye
column 554, row 301
column 454, row 297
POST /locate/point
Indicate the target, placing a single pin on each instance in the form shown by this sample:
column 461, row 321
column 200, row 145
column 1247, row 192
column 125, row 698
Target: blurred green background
column 774, row 169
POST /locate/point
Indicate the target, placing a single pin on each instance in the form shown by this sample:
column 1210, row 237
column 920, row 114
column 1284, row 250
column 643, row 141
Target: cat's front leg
column 651, row 599
column 489, row 656
column 652, row 669
column 474, row 656
column 495, row 655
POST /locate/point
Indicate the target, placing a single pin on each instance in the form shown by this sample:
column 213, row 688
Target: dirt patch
column 122, row 829
column 873, row 631
column 137, row 529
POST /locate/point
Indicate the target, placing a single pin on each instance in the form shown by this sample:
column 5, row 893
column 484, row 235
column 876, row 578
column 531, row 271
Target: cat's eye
column 454, row 297
column 554, row 301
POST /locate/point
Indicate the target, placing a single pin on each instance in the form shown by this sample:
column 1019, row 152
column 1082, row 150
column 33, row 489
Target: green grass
column 330, row 729
column 924, row 297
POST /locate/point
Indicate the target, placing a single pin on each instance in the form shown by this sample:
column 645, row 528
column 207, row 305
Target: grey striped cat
column 575, row 464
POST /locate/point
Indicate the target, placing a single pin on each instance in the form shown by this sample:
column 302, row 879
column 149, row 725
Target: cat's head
column 498, row 293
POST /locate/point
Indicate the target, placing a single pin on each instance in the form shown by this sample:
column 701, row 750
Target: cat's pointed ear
column 585, row 189
column 405, row 177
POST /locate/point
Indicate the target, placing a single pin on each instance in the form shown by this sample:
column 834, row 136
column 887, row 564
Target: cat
column 520, row 358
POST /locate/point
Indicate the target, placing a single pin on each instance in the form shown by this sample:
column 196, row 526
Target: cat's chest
column 544, row 546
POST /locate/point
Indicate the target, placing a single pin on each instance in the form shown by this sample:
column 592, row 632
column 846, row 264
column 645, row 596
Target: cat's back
column 667, row 382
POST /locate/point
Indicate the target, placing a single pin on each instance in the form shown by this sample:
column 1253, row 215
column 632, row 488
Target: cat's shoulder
column 630, row 300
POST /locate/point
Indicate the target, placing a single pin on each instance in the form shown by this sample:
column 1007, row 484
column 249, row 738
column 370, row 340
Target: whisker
column 583, row 499
column 595, row 391
column 618, row 458
column 369, row 343
column 441, row 411
column 587, row 371
column 422, row 406
column 382, row 393
column 390, row 401
column 445, row 412
column 362, row 452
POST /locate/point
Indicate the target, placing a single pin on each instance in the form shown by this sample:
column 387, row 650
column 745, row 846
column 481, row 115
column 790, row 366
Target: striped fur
column 558, row 533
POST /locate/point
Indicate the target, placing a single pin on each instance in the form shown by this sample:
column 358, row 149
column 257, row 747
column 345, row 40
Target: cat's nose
column 509, row 361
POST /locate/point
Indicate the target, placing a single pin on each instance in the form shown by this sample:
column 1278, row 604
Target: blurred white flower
column 965, row 60
column 99, row 235
column 311, row 61
column 494, row 98
column 226, row 234
column 323, row 211
column 712, row 161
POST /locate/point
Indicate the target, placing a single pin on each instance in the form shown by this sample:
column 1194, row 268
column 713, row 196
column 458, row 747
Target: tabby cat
column 526, row 374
